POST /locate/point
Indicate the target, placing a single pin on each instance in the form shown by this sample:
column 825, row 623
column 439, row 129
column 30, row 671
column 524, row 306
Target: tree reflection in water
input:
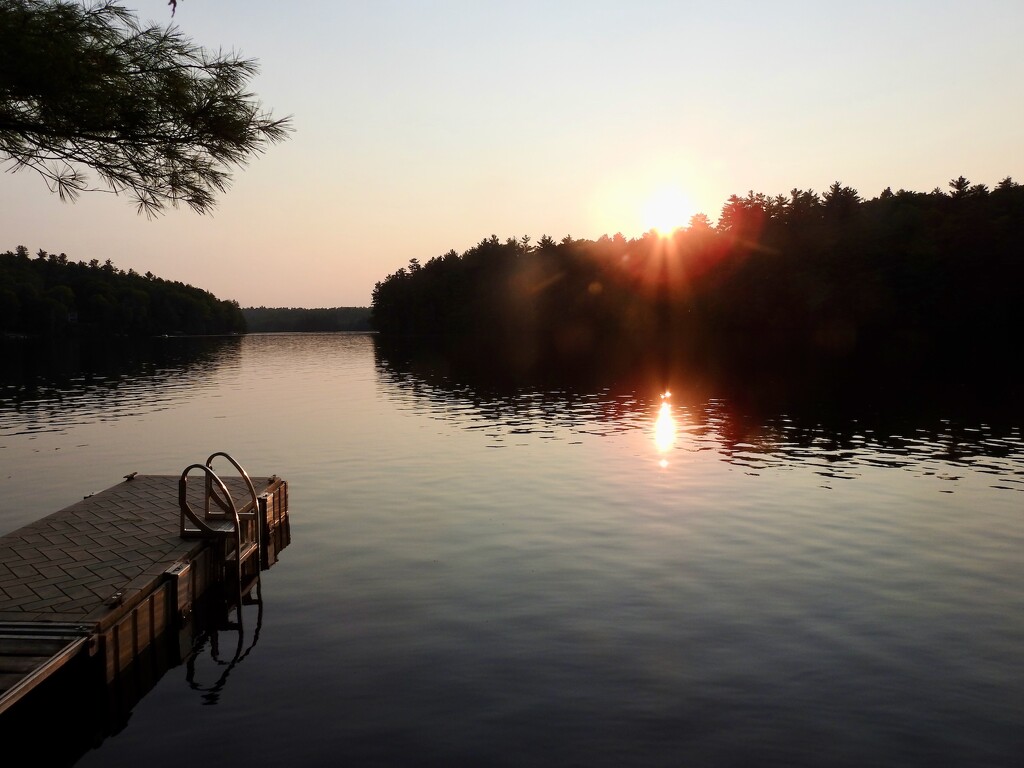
column 751, row 412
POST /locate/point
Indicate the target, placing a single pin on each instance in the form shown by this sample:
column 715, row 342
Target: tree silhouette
column 155, row 116
column 51, row 295
column 905, row 276
column 960, row 186
column 839, row 201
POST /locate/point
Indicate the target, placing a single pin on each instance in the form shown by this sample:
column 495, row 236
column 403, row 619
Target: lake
column 489, row 570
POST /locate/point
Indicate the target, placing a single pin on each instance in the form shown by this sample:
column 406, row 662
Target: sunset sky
column 426, row 126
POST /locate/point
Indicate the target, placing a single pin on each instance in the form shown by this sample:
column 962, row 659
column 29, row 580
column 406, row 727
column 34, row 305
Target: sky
column 422, row 127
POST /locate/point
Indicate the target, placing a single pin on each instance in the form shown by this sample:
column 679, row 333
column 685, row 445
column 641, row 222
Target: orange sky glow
column 421, row 128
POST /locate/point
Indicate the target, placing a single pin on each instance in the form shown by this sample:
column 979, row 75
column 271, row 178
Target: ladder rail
column 226, row 525
column 203, row 523
column 253, row 512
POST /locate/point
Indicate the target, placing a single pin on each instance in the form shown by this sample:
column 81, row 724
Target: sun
column 667, row 210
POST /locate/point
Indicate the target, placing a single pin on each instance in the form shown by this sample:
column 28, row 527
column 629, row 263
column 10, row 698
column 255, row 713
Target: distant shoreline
column 301, row 320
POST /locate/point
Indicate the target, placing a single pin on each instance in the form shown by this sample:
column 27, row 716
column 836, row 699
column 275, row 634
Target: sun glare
column 664, row 429
column 667, row 210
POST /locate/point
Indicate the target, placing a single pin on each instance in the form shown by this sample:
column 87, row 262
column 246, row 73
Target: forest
column 301, row 320
column 50, row 295
column 903, row 275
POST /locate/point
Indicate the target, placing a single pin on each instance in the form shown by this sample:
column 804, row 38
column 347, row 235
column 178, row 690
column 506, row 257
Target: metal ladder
column 238, row 530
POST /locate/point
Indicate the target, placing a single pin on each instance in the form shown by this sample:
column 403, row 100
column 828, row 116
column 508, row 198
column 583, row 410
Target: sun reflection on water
column 664, row 428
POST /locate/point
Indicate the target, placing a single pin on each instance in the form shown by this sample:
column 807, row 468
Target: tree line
column 49, row 295
column 301, row 320
column 903, row 273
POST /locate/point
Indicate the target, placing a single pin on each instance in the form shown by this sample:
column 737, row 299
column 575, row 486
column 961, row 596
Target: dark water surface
column 490, row 572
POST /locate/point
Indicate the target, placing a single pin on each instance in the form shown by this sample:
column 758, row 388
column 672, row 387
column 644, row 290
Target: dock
column 108, row 576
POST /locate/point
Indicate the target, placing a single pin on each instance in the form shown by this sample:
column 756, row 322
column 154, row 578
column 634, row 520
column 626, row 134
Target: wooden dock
column 108, row 576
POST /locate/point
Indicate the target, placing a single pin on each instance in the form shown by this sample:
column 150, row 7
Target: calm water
column 485, row 573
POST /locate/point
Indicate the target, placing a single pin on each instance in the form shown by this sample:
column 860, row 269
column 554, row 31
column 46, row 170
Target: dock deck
column 106, row 575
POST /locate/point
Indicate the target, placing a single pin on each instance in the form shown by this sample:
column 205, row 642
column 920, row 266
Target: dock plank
column 22, row 646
